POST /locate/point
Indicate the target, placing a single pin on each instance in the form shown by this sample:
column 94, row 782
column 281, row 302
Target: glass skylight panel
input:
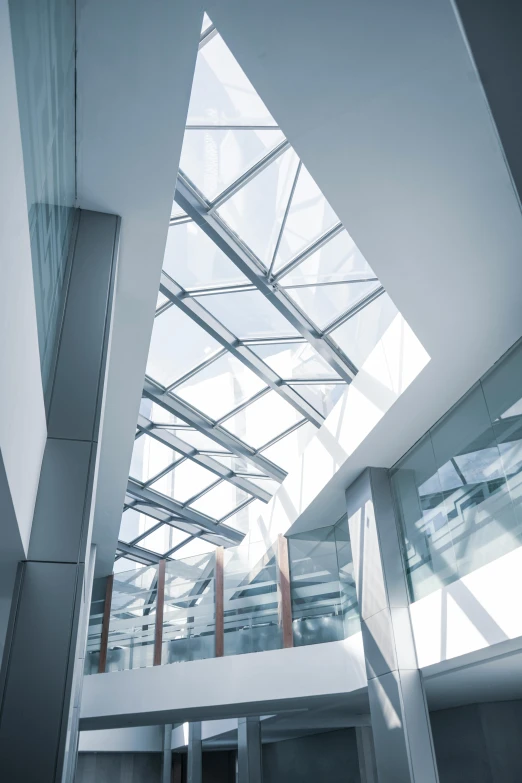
column 287, row 451
column 194, row 261
column 295, row 360
column 198, row 546
column 244, row 518
column 309, row 217
column 219, row 388
column 263, row 420
column 237, row 464
column 255, row 213
column 323, row 304
column 358, row 336
column 214, row 158
column 220, row 500
column 161, row 300
column 177, row 345
column 150, row 457
column 321, row 396
column 133, row 524
column 161, row 540
column 248, row 314
column 221, row 93
column 185, row 481
column 198, row 440
column 157, row 414
column 123, row 564
column 336, row 261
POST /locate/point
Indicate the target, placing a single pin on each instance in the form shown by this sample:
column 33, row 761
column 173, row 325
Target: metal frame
column 193, row 203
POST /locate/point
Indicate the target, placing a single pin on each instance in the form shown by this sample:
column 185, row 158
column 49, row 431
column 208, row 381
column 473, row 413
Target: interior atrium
column 261, row 375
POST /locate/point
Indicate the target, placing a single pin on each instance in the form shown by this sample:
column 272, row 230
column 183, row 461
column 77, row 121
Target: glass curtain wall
column 44, row 43
column 458, row 491
column 324, row 601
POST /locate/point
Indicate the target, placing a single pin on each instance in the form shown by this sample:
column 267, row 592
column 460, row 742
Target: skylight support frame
column 198, row 209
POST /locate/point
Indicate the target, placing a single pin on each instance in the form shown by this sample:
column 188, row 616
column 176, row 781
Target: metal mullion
column 161, row 309
column 282, row 435
column 138, row 552
column 236, row 510
column 162, row 515
column 252, row 172
column 308, row 251
column 207, row 36
column 195, row 310
column 170, row 552
column 247, row 263
column 324, row 283
column 227, row 289
column 190, row 374
column 146, row 533
column 179, row 220
column 298, row 340
column 243, row 405
column 285, row 216
column 169, row 504
column 165, row 471
column 200, row 494
column 360, row 305
column 315, row 382
column 233, row 445
column 206, row 461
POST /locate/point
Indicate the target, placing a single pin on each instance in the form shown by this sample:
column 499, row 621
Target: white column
column 195, row 754
column 400, row 719
column 166, row 771
column 366, row 754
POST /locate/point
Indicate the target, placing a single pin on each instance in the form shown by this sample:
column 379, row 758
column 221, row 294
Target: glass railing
column 222, row 604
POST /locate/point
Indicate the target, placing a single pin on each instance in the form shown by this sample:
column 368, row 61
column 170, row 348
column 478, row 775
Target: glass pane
column 133, row 524
column 256, row 211
column 322, row 396
column 185, row 481
column 349, row 603
column 122, row 565
column 221, row 500
column 358, row 336
column 237, row 464
column 162, row 299
column 268, row 484
column 221, row 93
column 295, row 360
column 150, row 457
column 198, row 546
column 337, row 261
column 309, row 217
column 287, row 451
column 263, row 420
column 163, row 539
column 194, row 261
column 206, row 22
column 323, row 304
column 213, row 159
column 198, row 440
column 248, row 314
column 246, row 517
column 171, row 357
column 315, row 588
column 220, row 387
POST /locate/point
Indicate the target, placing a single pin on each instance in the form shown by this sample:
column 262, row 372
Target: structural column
column 400, row 719
column 166, row 771
column 195, row 754
column 249, row 759
column 41, row 646
column 366, row 754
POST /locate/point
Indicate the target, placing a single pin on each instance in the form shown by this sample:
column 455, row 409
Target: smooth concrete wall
column 119, row 768
column 331, row 757
column 479, row 743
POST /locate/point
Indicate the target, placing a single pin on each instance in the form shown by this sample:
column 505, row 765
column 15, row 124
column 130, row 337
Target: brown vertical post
column 220, row 603
column 283, row 583
column 160, row 603
column 104, row 640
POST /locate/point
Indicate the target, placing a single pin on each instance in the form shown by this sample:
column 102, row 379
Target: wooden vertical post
column 220, row 602
column 283, row 584
column 104, row 639
column 160, row 603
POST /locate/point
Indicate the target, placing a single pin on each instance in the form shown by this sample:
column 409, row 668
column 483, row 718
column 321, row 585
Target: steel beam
column 136, row 490
column 198, row 209
column 195, row 310
column 203, row 424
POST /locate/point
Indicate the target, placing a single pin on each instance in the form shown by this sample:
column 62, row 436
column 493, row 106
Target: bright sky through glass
column 266, row 311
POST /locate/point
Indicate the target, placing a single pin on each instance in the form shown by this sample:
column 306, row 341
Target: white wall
column 480, row 610
column 23, row 428
column 134, row 70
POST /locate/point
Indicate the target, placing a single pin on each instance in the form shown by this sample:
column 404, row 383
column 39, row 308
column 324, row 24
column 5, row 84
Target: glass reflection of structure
column 458, row 491
column 265, row 312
